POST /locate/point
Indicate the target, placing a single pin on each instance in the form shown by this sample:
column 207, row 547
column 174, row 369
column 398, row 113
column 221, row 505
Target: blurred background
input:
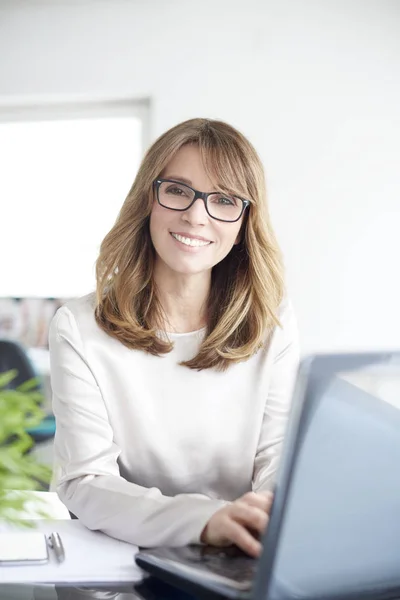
column 87, row 85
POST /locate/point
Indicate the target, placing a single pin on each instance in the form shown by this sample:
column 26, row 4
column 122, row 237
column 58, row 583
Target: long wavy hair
column 247, row 286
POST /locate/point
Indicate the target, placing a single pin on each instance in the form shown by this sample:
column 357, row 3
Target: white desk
column 90, row 556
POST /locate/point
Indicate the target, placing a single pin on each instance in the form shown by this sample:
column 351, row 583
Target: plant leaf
column 19, row 411
column 7, row 376
column 29, row 384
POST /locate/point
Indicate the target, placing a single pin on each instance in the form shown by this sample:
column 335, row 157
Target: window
column 65, row 174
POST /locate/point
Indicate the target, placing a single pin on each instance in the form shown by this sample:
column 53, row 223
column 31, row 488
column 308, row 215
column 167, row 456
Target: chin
column 187, row 267
column 189, row 270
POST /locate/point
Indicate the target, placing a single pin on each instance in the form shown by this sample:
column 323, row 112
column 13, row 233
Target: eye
column 175, row 190
column 223, row 200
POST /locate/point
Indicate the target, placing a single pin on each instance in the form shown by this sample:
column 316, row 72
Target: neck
column 183, row 299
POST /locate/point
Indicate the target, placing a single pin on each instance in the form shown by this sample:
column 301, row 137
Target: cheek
column 162, row 220
column 156, row 213
column 157, row 218
column 229, row 236
column 155, row 225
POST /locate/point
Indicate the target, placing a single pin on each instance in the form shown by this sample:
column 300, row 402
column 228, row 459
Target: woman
column 171, row 385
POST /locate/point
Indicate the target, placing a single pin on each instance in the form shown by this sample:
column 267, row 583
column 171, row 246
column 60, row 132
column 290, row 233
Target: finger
column 269, row 497
column 266, row 493
column 260, row 500
column 251, row 517
column 243, row 538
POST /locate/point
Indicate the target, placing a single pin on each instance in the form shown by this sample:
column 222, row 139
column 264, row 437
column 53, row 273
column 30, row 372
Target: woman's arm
column 285, row 347
column 90, row 484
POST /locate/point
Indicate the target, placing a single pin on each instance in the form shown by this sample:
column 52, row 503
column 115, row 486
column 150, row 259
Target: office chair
column 13, row 356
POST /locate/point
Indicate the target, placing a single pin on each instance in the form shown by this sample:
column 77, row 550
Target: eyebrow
column 178, row 178
column 188, row 182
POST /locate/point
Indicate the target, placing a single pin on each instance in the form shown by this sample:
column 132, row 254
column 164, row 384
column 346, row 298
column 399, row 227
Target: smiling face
column 190, row 242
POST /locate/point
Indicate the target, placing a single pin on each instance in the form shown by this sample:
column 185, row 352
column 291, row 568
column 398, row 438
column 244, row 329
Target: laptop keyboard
column 238, row 568
column 230, row 562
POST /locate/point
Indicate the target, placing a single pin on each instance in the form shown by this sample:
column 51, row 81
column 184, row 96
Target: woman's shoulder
column 83, row 306
column 286, row 313
column 286, row 333
column 76, row 313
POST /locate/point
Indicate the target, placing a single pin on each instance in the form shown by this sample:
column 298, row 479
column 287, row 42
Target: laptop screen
column 341, row 524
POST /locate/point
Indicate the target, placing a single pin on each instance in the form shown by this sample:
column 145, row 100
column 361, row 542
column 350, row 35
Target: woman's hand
column 240, row 523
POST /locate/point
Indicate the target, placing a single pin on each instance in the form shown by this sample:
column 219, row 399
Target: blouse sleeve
column 90, row 484
column 285, row 347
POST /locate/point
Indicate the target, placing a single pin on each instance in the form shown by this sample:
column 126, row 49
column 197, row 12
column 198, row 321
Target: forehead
column 187, row 166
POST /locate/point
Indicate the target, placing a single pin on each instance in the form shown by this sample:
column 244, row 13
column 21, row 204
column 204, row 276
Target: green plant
column 19, row 470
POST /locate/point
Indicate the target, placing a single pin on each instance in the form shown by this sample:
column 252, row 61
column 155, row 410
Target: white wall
column 316, row 87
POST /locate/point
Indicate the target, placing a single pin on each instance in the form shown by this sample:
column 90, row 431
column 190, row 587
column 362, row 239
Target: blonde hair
column 247, row 286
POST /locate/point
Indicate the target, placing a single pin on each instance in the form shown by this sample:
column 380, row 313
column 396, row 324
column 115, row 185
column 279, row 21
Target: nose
column 196, row 214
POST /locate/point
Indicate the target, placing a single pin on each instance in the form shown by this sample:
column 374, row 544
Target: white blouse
column 147, row 450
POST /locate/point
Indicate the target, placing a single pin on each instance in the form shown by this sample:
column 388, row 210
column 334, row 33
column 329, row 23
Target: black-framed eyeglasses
column 176, row 195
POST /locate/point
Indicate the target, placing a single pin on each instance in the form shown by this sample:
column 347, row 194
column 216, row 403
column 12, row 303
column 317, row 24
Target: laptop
column 334, row 530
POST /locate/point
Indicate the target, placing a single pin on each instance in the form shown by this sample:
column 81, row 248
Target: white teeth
column 189, row 241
